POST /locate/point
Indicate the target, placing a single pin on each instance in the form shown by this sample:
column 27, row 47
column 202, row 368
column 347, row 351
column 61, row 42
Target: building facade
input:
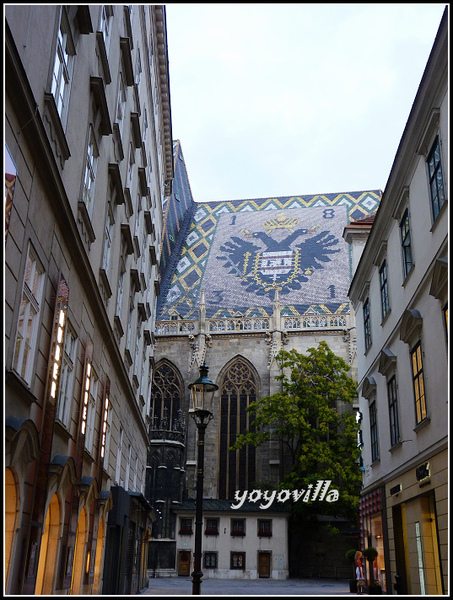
column 240, row 280
column 400, row 296
column 88, row 157
column 238, row 543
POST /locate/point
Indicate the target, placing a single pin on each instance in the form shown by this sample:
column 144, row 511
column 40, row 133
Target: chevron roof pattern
column 240, row 251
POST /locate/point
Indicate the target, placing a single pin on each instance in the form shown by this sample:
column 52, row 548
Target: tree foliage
column 310, row 417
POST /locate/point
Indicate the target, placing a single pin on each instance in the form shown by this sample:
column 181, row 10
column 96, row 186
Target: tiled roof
column 214, row 505
column 240, row 251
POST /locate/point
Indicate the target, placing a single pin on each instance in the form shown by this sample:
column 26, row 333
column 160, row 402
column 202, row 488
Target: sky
column 296, row 99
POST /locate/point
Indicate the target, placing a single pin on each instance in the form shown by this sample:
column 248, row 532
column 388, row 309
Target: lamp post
column 202, row 394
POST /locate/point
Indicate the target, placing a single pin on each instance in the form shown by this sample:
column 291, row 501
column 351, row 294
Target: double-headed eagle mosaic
column 264, row 264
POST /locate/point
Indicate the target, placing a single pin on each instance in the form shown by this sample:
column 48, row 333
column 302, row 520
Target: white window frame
column 108, row 238
column 91, row 412
column 66, row 384
column 29, row 316
column 91, row 163
column 121, row 102
column 105, row 24
column 63, row 68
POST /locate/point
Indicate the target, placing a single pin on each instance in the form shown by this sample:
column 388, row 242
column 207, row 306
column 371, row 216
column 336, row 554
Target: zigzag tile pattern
column 243, row 280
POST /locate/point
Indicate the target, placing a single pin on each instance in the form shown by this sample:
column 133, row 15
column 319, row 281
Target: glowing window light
column 86, row 396
column 104, row 426
column 58, row 352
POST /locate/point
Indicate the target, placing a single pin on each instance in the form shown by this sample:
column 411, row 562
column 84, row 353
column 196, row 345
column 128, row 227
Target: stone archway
column 49, row 549
column 12, row 509
column 79, row 553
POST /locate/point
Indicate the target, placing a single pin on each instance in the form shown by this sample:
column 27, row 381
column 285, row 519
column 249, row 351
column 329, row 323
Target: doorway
column 264, row 564
column 183, row 562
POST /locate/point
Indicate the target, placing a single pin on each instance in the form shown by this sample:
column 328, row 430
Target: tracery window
column 237, row 469
column 167, row 392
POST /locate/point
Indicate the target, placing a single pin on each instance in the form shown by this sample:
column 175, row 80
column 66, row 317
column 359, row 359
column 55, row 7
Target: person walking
column 359, row 572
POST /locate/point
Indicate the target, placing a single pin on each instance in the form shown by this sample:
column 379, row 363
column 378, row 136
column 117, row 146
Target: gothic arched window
column 237, row 391
column 167, row 393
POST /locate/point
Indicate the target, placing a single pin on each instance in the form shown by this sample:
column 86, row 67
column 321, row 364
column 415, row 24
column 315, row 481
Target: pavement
column 182, row 586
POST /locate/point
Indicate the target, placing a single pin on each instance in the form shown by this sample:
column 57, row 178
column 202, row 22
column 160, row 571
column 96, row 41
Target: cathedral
column 240, row 280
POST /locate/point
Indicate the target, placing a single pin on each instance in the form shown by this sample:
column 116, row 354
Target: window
column 121, row 102
column 212, row 527
column 406, row 243
column 210, row 560
column 108, row 238
column 166, row 395
column 236, row 467
column 374, row 432
column 264, row 527
column 106, row 426
column 121, row 279
column 383, row 284
column 393, row 411
column 90, row 172
column 128, row 467
column 237, row 560
column 130, row 319
column 65, row 394
column 185, row 526
column 367, row 323
column 418, row 383
column 105, row 25
column 63, row 66
column 91, row 414
column 119, row 457
column 29, row 314
column 436, row 182
column 238, row 527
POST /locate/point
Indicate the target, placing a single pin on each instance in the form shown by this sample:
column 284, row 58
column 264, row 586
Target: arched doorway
column 49, row 546
column 79, row 554
column 98, row 559
column 12, row 507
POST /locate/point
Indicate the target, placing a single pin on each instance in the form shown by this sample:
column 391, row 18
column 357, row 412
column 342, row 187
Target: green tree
column 310, row 417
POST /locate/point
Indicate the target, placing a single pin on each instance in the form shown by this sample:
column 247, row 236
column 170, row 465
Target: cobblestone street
column 182, row 586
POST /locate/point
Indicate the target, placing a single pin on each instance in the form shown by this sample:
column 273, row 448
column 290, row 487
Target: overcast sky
column 293, row 99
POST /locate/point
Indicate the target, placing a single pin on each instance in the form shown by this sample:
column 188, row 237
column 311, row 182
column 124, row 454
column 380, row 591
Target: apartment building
column 400, row 296
column 88, row 164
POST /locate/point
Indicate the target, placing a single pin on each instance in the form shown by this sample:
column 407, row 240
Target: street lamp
column 202, row 394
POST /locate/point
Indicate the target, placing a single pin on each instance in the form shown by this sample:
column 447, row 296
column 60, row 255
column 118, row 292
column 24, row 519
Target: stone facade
column 242, row 280
column 400, row 295
column 88, row 150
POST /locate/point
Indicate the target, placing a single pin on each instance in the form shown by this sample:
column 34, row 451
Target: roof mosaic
column 241, row 251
